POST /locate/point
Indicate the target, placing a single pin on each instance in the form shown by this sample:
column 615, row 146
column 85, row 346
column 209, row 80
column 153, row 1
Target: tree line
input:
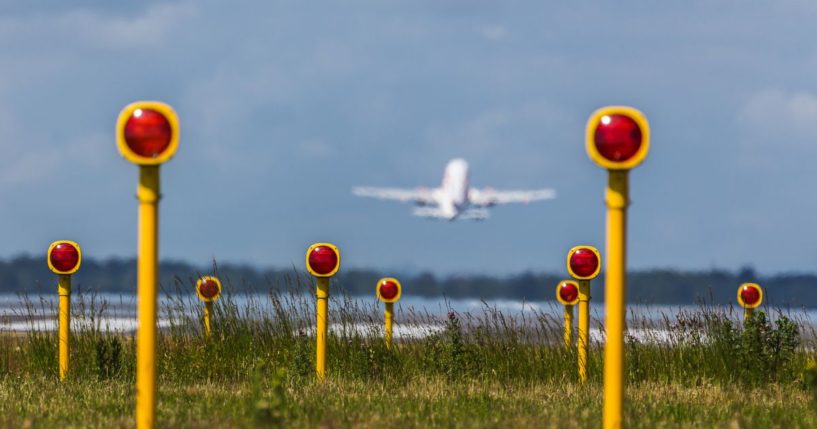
column 26, row 274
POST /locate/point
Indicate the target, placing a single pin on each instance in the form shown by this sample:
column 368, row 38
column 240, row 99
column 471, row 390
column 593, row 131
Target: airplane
column 455, row 199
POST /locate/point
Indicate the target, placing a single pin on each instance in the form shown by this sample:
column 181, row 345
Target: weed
column 461, row 369
column 108, row 356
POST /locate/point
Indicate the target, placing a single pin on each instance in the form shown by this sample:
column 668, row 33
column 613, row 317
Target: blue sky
column 285, row 106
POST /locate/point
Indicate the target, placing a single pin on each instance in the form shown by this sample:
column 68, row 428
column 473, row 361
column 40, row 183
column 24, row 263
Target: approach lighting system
column 64, row 257
column 208, row 288
column 322, row 260
column 147, row 132
column 567, row 292
column 583, row 262
column 750, row 295
column 618, row 137
column 389, row 290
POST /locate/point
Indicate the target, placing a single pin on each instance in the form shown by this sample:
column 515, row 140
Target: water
column 116, row 312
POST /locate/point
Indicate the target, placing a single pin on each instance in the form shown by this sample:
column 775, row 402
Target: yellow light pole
column 388, row 320
column 388, row 290
column 568, row 334
column 567, row 293
column 618, row 139
column 208, row 289
column 147, row 134
column 64, row 258
column 583, row 264
column 323, row 262
column 750, row 296
column 583, row 340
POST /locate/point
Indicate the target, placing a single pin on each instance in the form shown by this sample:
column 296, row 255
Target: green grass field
column 491, row 370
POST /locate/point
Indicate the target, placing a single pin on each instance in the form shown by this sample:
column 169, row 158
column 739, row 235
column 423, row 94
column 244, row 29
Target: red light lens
column 323, row 260
column 208, row 288
column 584, row 262
column 388, row 289
column 617, row 137
column 64, row 257
column 568, row 292
column 148, row 133
column 750, row 295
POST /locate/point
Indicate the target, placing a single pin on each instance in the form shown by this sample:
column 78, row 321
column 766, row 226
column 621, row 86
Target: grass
column 486, row 370
column 426, row 402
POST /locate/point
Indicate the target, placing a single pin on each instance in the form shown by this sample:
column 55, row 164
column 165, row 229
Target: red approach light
column 208, row 289
column 148, row 133
column 750, row 295
column 617, row 137
column 568, row 292
column 584, row 262
column 64, row 257
column 388, row 289
column 323, row 260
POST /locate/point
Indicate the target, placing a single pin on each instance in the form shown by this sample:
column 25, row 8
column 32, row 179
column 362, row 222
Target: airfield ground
column 488, row 371
column 422, row 402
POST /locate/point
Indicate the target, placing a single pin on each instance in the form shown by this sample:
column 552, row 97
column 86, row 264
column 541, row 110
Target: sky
column 286, row 105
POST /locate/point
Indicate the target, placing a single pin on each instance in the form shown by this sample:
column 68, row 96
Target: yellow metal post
column 617, row 199
column 322, row 310
column 208, row 315
column 748, row 312
column 208, row 289
column 582, row 342
column 568, row 334
column 608, row 130
column 148, row 195
column 64, row 292
column 389, row 315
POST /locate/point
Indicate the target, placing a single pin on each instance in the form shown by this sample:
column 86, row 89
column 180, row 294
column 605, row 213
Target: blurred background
column 285, row 106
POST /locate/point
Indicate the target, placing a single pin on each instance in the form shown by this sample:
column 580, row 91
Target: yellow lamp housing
column 745, row 304
column 319, row 259
column 592, row 124
column 387, row 280
column 585, row 277
column 163, row 109
column 211, row 279
column 57, row 270
column 567, row 283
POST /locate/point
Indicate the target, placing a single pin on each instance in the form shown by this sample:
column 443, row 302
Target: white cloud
column 316, row 148
column 495, row 130
column 776, row 130
column 531, row 137
column 99, row 29
column 40, row 162
column 494, row 32
column 32, row 156
column 146, row 30
column 791, row 116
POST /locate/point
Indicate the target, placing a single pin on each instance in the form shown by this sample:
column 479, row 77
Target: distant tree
column 659, row 286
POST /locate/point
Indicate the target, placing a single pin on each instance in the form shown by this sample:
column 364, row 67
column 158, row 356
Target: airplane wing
column 420, row 195
column 488, row 197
